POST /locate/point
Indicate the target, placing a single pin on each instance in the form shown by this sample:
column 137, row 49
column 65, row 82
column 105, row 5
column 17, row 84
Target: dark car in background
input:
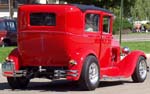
column 8, row 32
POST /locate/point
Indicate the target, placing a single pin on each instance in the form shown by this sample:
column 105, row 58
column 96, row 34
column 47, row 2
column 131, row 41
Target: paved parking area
column 44, row 86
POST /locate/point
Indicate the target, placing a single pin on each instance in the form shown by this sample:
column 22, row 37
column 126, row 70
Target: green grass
column 144, row 46
column 4, row 52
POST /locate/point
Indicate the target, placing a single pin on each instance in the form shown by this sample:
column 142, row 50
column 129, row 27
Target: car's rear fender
column 79, row 57
column 14, row 56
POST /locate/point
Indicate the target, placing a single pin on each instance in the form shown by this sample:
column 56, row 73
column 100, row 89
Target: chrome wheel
column 93, row 73
column 142, row 69
column 140, row 72
column 90, row 75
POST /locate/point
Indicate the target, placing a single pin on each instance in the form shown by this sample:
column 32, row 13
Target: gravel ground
column 134, row 37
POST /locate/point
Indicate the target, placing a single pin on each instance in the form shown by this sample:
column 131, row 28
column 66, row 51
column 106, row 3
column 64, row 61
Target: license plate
column 7, row 67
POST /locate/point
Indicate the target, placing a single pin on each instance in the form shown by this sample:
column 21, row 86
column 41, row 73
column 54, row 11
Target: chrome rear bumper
column 65, row 73
column 8, row 70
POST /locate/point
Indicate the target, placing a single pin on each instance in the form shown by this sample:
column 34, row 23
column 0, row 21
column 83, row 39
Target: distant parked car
column 147, row 27
column 8, row 35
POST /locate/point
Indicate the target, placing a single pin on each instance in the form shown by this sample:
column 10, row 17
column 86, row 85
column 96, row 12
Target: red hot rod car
column 69, row 41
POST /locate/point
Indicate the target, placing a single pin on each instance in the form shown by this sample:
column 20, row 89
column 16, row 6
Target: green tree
column 113, row 5
column 140, row 11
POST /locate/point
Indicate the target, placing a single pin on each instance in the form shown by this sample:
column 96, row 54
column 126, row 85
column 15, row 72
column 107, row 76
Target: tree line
column 135, row 9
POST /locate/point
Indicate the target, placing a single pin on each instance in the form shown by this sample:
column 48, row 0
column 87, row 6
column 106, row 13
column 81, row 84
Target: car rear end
column 42, row 44
column 46, row 45
column 42, row 37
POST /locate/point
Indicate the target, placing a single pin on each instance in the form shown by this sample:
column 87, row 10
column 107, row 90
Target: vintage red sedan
column 69, row 41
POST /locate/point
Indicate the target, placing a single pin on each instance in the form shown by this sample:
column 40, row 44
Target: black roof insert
column 83, row 8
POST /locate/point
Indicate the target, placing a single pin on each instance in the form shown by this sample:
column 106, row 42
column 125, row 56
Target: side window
column 106, row 24
column 91, row 22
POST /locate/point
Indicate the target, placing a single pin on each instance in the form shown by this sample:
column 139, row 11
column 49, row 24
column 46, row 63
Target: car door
column 92, row 31
column 106, row 37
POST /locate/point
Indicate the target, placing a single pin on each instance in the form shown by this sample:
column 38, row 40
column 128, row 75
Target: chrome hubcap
column 142, row 69
column 93, row 73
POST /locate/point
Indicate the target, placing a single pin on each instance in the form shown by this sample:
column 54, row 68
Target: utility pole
column 11, row 11
column 121, row 22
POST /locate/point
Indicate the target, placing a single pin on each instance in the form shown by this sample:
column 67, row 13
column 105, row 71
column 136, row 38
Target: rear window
column 42, row 19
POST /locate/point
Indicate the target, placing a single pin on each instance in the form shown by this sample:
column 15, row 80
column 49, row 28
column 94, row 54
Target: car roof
column 83, row 8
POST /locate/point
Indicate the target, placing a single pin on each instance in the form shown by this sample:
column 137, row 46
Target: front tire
column 140, row 72
column 18, row 82
column 90, row 75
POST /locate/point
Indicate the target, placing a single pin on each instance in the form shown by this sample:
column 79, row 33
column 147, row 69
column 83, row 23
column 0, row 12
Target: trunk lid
column 43, row 48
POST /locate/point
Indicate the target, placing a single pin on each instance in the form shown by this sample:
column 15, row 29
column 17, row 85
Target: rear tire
column 90, row 75
column 140, row 72
column 18, row 82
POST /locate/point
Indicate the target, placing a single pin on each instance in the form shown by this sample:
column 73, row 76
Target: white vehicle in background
column 141, row 22
column 139, row 26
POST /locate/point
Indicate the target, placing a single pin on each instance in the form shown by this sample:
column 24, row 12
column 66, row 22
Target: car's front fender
column 128, row 64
